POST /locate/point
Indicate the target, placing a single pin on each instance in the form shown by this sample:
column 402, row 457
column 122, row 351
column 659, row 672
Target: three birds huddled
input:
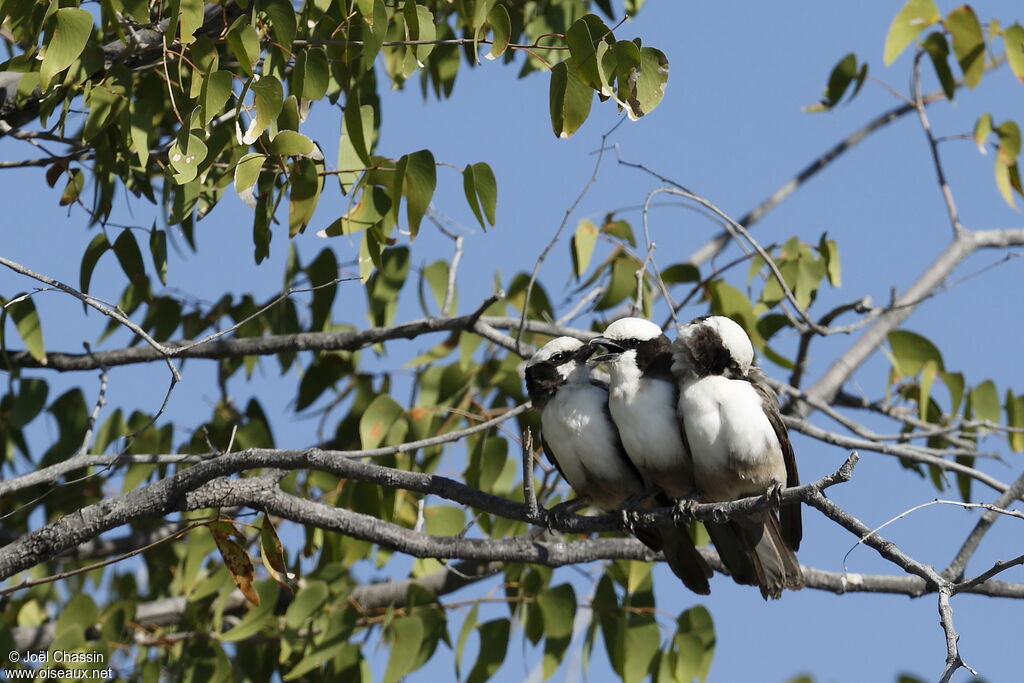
column 678, row 423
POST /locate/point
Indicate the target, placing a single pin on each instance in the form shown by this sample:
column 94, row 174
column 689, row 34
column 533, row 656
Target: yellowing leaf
column 583, row 242
column 1013, row 39
column 968, row 43
column 23, row 311
column 982, row 129
column 236, row 559
column 377, row 420
column 914, row 17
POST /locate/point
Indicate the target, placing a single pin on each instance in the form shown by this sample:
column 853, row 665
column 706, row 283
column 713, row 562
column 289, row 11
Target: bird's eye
column 557, row 358
column 633, row 342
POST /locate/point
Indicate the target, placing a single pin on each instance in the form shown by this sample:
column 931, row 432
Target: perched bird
column 642, row 398
column 739, row 445
column 580, row 438
column 577, row 433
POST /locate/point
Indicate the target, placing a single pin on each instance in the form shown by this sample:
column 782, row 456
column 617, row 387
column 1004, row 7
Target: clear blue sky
column 731, row 128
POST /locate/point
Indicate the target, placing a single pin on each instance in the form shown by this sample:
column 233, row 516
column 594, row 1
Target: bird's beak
column 583, row 353
column 613, row 349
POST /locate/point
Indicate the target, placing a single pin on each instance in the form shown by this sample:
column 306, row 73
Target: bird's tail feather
column 733, row 551
column 683, row 557
column 775, row 565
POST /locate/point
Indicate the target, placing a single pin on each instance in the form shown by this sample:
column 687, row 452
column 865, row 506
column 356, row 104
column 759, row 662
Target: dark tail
column 684, row 559
column 755, row 552
column 680, row 553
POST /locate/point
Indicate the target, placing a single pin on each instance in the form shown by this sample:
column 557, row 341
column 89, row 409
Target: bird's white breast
column 734, row 448
column 644, row 412
column 583, row 439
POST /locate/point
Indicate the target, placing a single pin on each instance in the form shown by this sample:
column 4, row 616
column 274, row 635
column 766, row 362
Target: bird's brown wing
column 789, row 515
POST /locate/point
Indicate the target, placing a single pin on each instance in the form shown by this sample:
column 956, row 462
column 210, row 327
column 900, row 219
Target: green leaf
column 468, row 624
column 214, row 94
column 185, row 155
column 79, row 612
column 581, row 38
column 621, row 283
column 911, row 351
column 309, row 602
column 130, row 257
column 1007, row 180
column 311, row 75
column 984, row 400
column 97, row 247
column 370, row 210
column 829, row 251
column 954, row 382
column 843, row 73
column 583, row 242
column 158, row 251
column 982, row 129
column 914, row 17
column 191, row 20
column 968, row 43
column 728, row 301
column 23, row 311
column 259, row 615
column 558, row 605
column 493, row 646
column 71, row 30
column 570, row 99
column 481, row 192
column 359, row 127
column 1009, row 142
column 1013, row 40
column 31, row 400
column 269, row 99
column 501, row 27
column 405, row 636
column 306, row 184
column 643, row 638
column 938, row 50
column 321, row 271
column 73, row 188
column 1015, row 420
column 244, row 43
column 247, row 172
column 419, row 175
column 336, row 649
column 929, row 370
column 649, row 86
column 444, row 520
column 694, row 644
column 377, row 420
column 282, row 21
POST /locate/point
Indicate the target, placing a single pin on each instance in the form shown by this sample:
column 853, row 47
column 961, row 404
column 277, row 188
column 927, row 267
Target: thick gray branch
column 282, row 343
column 965, row 244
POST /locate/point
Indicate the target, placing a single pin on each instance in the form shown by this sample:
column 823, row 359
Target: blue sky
column 731, row 128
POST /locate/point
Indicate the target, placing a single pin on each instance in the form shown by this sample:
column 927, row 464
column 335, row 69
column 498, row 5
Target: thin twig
column 926, row 126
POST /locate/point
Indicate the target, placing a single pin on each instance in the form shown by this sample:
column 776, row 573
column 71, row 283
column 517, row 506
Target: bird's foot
column 558, row 517
column 774, row 494
column 627, row 519
column 684, row 510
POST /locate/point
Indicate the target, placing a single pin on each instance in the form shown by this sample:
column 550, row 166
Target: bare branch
column 926, row 126
column 958, row 565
